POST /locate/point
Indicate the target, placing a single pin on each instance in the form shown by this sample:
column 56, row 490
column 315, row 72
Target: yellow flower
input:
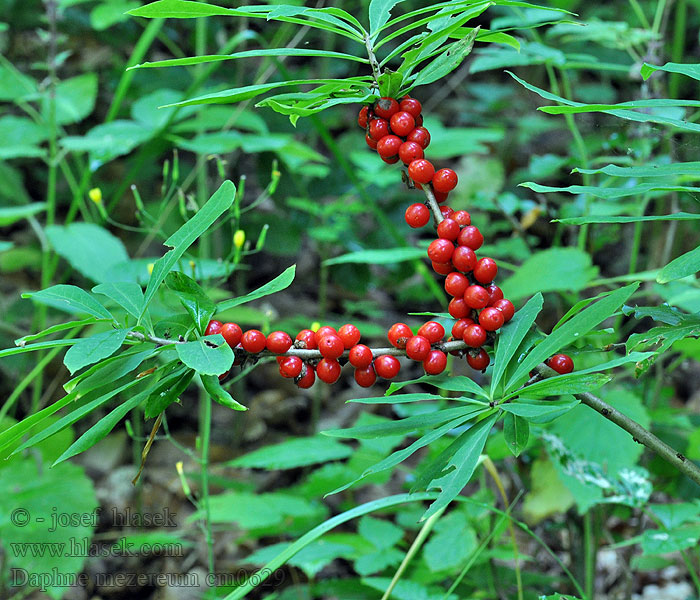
column 239, row 238
column 95, row 194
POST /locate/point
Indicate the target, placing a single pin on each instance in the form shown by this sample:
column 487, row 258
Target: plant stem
column 372, row 60
column 589, row 549
column 204, row 440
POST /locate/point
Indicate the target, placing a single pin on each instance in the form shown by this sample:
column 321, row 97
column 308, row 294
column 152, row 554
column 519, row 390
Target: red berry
column 365, row 377
column 444, row 180
column 253, row 341
column 398, row 334
column 435, row 363
column 224, row 375
column 458, row 308
column 485, row 270
column 421, row 170
column 387, row 366
column 471, row 237
column 421, row 136
column 213, row 327
column 388, row 146
column 324, row 331
column 463, row 259
column 447, row 212
column 448, row 229
column 402, row 123
column 479, row 361
column 307, row 377
column 443, row 268
column 462, row 217
column 410, row 105
column 417, row 215
column 440, row 251
column 331, row 346
column 456, row 284
column 378, row 128
column 349, row 334
column 307, row 339
column 391, row 160
column 360, row 356
column 290, row 366
column 474, row 335
column 495, row 293
column 410, row 151
column 460, row 326
column 561, row 363
column 440, row 197
column 370, row 142
column 386, row 107
column 279, row 342
column 417, row 348
column 327, row 370
column 506, row 307
column 433, row 331
column 491, row 319
column 362, row 117
column 232, row 334
column 476, row 296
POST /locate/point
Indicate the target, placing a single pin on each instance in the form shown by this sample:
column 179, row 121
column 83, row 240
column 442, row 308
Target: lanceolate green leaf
column 691, row 169
column 199, row 306
column 37, row 346
column 11, row 214
column 611, row 193
column 573, row 383
column 179, row 9
column 279, row 283
column 94, row 348
column 210, row 355
column 444, row 382
column 218, row 394
column 680, row 216
column 690, row 70
column 448, row 61
column 516, row 431
column 56, row 328
column 377, row 257
column 379, row 14
column 540, row 411
column 586, row 108
column 126, row 294
column 70, row 298
column 684, row 265
column 184, row 237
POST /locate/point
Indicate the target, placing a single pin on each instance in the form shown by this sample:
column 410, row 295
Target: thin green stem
column 658, row 16
column 640, row 14
column 691, row 571
column 678, row 46
column 204, row 440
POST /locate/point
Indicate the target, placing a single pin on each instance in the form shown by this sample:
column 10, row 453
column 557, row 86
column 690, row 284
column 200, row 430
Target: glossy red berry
column 417, row 348
column 421, row 170
column 387, row 366
column 446, row 212
column 443, row 268
column 213, row 327
column 378, row 128
column 350, row 335
column 456, row 284
column 307, row 377
column 462, row 217
column 459, row 327
column 279, row 342
column 386, row 107
column 360, row 356
column 474, row 336
column 365, row 377
column 506, row 307
column 444, row 180
column 421, row 136
column 331, row 346
column 402, row 123
column 391, row 160
column 389, row 146
column 433, row 331
column 398, row 334
column 491, row 319
column 417, row 215
column 253, row 341
column 561, row 363
column 290, row 366
column 495, row 293
column 324, row 331
column 458, row 308
column 440, row 197
column 440, row 251
column 435, row 363
column 362, row 117
column 419, row 120
column 410, row 151
column 463, row 259
column 448, row 229
column 370, row 142
column 327, row 370
column 478, row 361
column 232, row 334
column 485, row 270
column 471, row 237
column 476, row 296
column 411, row 105
column 306, row 339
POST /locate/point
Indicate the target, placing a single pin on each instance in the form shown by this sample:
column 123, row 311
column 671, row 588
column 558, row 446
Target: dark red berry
column 479, row 361
column 386, row 107
column 213, row 327
column 398, row 334
column 419, row 120
column 410, row 151
column 279, row 342
column 463, row 259
column 306, row 339
column 349, row 334
column 360, row 356
column 388, row 146
column 435, row 363
column 474, row 336
column 224, row 375
column 561, row 363
column 471, row 237
column 378, row 128
column 491, row 319
column 460, row 326
column 232, row 334
column 290, row 366
column 443, row 268
column 421, row 170
column 447, row 212
column 417, row 348
column 421, row 136
column 365, row 377
column 331, row 346
column 387, row 366
column 506, row 307
column 433, row 331
column 476, row 296
column 327, row 370
column 307, row 377
column 456, row 284
column 440, row 251
column 444, row 180
column 458, row 308
column 362, row 117
column 485, row 270
column 462, row 217
column 417, row 215
column 448, row 229
column 253, row 341
column 370, row 142
column 410, row 105
column 440, row 197
column 495, row 293
column 323, row 331
column 402, row 123
column 391, row 160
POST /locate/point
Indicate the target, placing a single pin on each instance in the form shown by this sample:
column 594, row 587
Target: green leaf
column 179, row 9
column 684, row 265
column 167, row 391
column 15, row 85
column 680, row 216
column 56, row 328
column 198, row 305
column 660, row 541
column 539, row 411
column 689, row 70
column 218, row 394
column 279, row 283
column 646, row 170
column 210, row 355
column 89, row 248
column 588, row 108
column 573, row 383
column 377, row 257
column 516, row 431
column 444, row 382
column 111, row 369
column 512, row 334
column 611, row 193
column 294, row 453
column 71, row 299
column 379, row 13
column 107, row 141
column 573, row 329
column 547, row 495
column 184, row 237
column 75, row 99
column 126, row 294
column 90, row 350
column 448, row 61
column 37, row 346
column 107, row 14
column 451, row 544
column 12, row 214
column 399, row 399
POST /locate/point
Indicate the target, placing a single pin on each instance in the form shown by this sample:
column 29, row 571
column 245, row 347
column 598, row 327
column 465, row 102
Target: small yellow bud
column 191, row 264
column 239, row 238
column 183, row 479
column 315, row 326
column 150, row 268
column 95, row 194
column 529, row 218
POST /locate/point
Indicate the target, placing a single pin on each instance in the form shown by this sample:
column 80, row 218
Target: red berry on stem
column 232, row 334
column 491, row 319
column 440, row 197
column 410, row 151
column 456, row 284
column 411, row 105
column 388, row 146
column 362, row 117
column 370, row 142
column 435, row 363
column 471, row 237
column 419, row 120
column 474, row 335
column 279, row 342
column 307, row 377
column 391, row 160
column 387, row 366
column 485, row 270
column 479, row 361
column 290, row 366
column 433, row 331
column 476, row 296
column 506, row 307
column 402, row 123
column 447, row 212
column 561, row 363
column 444, row 180
column 378, row 128
column 443, row 268
column 495, row 293
column 421, row 136
column 417, row 215
column 324, row 331
column 386, row 107
column 398, row 334
column 421, row 170
column 440, row 251
column 331, row 346
column 213, row 327
column 365, row 377
column 349, row 334
column 360, row 356
column 448, row 229
column 328, row 370
column 307, row 339
column 460, row 326
column 458, row 308
column 463, row 259
column 417, row 348
column 253, row 341
column 462, row 217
